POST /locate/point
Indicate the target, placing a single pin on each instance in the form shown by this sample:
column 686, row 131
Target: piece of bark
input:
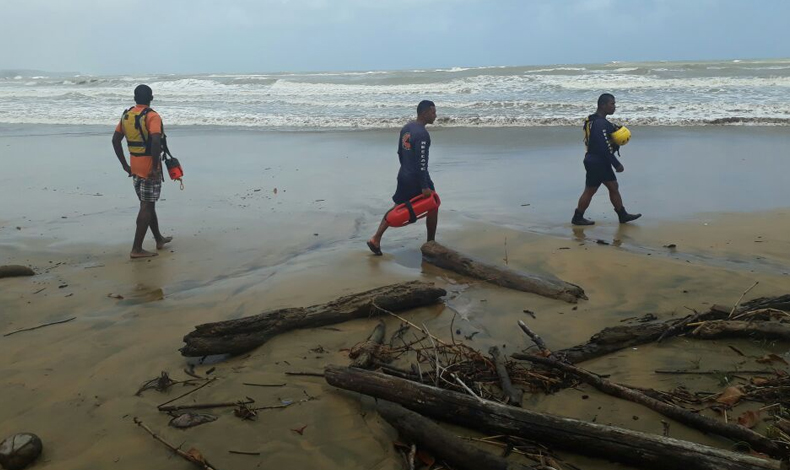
column 581, row 437
column 366, row 354
column 445, row 445
column 619, row 337
column 512, row 394
column 731, row 329
column 449, row 259
column 681, row 415
column 245, row 334
column 15, row 270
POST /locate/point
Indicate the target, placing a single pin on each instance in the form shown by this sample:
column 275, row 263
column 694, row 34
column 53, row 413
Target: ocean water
column 748, row 92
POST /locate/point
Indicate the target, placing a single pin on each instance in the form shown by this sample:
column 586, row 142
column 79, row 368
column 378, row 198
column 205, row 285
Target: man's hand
column 426, row 192
column 127, row 169
column 619, row 169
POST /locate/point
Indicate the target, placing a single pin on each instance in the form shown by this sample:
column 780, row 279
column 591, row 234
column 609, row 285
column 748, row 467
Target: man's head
column 426, row 112
column 606, row 104
column 143, row 94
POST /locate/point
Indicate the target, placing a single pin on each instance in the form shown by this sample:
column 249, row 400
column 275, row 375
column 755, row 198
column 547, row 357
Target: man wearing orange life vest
column 142, row 128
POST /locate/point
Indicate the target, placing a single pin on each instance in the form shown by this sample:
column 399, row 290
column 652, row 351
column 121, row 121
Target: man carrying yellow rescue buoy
column 142, row 128
column 603, row 139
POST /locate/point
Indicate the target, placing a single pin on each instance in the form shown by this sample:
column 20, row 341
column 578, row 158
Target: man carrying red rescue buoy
column 413, row 177
column 142, row 128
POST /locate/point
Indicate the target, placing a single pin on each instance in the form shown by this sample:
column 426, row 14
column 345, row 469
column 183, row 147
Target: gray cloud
column 180, row 36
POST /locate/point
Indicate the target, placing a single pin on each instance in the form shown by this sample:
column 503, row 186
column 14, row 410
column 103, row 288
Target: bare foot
column 164, row 241
column 142, row 254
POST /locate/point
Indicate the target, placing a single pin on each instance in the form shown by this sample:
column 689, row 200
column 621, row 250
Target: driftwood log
column 15, row 270
column 619, row 337
column 440, row 443
column 247, row 333
column 580, row 437
column 365, row 354
column 732, row 329
column 449, row 259
column 615, row 338
column 735, row 432
column 512, row 394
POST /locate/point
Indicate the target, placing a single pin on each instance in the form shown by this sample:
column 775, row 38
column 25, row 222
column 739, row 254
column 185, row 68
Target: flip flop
column 375, row 249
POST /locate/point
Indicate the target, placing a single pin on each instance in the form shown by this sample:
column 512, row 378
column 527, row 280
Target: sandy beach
column 280, row 219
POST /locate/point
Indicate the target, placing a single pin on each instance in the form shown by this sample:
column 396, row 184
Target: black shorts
column 407, row 190
column 598, row 173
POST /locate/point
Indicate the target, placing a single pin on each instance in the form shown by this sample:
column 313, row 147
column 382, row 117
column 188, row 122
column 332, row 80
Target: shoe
column 578, row 219
column 375, row 249
column 625, row 216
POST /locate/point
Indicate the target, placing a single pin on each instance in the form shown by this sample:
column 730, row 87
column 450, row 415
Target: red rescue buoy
column 420, row 206
column 174, row 169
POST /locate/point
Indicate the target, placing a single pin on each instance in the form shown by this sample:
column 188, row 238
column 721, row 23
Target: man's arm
column 422, row 155
column 607, row 148
column 117, row 138
column 156, row 154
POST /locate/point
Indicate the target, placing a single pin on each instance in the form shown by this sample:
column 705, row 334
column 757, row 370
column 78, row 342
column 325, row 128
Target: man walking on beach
column 413, row 177
column 142, row 128
column 599, row 160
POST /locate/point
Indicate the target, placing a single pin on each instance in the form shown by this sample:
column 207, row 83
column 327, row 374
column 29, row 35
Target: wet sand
column 718, row 194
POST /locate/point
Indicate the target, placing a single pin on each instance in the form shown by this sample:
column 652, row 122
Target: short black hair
column 605, row 98
column 424, row 106
column 143, row 94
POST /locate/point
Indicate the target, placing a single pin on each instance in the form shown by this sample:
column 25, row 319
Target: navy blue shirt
column 413, row 146
column 600, row 148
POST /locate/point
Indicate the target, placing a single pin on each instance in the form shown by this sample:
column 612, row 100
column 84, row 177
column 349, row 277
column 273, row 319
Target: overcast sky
column 204, row 36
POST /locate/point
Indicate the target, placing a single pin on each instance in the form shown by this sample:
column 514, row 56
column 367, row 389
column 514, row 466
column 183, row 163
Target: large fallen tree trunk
column 615, row 338
column 580, row 437
column 247, row 333
column 443, row 444
column 735, row 432
column 452, row 260
column 730, row 329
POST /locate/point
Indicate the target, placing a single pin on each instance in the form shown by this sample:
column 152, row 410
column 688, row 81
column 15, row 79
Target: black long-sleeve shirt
column 413, row 147
column 600, row 148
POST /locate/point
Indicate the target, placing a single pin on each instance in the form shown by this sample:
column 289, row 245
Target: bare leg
column 161, row 241
column 614, row 194
column 586, row 198
column 143, row 222
column 431, row 220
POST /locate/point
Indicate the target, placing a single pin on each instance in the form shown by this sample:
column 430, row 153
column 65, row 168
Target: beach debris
column 670, row 246
column 531, row 313
column 731, row 395
column 447, row 258
column 275, row 190
column 749, row 418
column 192, row 455
column 204, row 406
column 187, row 393
column 263, row 385
column 115, row 296
column 601, row 242
column 300, row 431
column 188, row 420
column 365, row 353
column 40, row 326
column 613, row 443
column 160, row 384
column 245, row 334
column 20, row 450
column 15, row 270
column 244, row 412
column 769, row 358
column 242, row 452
